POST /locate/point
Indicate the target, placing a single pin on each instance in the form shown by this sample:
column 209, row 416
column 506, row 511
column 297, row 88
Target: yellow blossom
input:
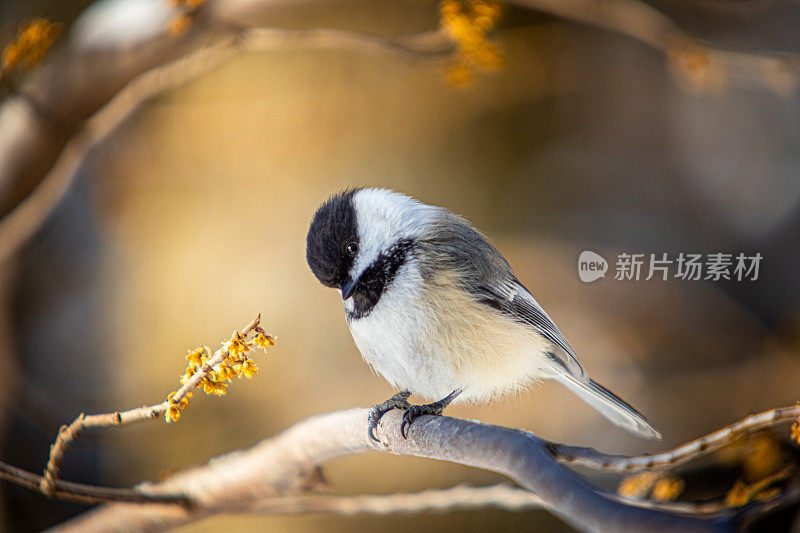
column 742, row 493
column 226, row 372
column 638, row 486
column 462, row 30
column 249, row 368
column 215, row 372
column 190, row 371
column 467, row 24
column 235, row 346
column 667, row 489
column 459, row 75
column 488, row 56
column 183, row 403
column 263, row 341
column 449, row 9
column 796, row 432
column 483, row 8
column 739, row 495
column 34, row 39
column 195, row 357
column 172, row 414
column 192, row 4
column 768, row 494
column 212, row 386
column 693, row 64
column 179, row 25
column 762, row 458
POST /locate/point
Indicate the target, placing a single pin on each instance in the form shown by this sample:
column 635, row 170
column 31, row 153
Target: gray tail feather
column 611, row 406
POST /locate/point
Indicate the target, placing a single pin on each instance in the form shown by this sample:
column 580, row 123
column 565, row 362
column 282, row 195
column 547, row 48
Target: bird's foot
column 415, row 411
column 398, row 401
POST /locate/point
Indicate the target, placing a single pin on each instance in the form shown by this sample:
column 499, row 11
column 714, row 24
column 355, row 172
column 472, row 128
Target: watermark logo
column 686, row 266
column 591, row 266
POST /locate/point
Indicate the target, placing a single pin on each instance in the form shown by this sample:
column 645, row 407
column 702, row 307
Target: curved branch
column 579, row 456
column 630, row 18
column 502, row 497
column 239, row 482
column 20, row 223
column 35, row 149
column 68, row 433
column 78, row 492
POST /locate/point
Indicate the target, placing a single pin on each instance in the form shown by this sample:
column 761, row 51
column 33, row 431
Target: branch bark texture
column 287, row 464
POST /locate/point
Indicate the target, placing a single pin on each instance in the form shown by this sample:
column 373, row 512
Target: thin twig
column 579, row 456
column 631, row 18
column 19, row 224
column 79, row 492
column 425, row 45
column 67, row 434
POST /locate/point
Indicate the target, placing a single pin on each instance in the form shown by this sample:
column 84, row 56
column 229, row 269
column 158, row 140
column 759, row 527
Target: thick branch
column 240, row 482
column 461, row 497
column 502, row 497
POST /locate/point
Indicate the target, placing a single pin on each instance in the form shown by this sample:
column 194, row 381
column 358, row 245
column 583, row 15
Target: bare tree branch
column 630, row 18
column 579, row 456
column 46, row 135
column 18, row 225
column 274, row 477
column 70, row 432
column 501, row 496
column 42, row 143
column 243, row 481
column 461, row 497
column 78, row 492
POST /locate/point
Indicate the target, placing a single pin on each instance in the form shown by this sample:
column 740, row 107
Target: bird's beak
column 347, row 289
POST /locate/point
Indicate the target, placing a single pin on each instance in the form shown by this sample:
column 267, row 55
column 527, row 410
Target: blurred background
column 191, row 219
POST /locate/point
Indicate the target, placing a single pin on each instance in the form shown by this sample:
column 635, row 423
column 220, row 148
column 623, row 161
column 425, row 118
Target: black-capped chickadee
column 436, row 309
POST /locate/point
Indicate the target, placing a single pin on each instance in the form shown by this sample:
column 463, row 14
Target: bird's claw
column 398, row 401
column 414, row 412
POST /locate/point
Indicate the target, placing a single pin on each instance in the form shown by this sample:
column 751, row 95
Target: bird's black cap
column 332, row 229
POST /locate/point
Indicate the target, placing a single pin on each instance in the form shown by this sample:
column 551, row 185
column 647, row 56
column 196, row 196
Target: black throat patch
column 377, row 278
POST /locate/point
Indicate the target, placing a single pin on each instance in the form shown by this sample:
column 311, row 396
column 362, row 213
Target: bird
column 436, row 309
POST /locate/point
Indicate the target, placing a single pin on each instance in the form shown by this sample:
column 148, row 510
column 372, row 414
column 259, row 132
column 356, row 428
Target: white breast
column 438, row 339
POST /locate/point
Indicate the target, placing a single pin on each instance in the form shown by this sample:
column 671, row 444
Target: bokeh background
column 192, row 217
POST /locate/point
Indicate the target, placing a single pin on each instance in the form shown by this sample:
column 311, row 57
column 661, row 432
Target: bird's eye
column 352, row 248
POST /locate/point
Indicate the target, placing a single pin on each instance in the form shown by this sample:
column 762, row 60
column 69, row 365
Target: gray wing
column 453, row 243
column 512, row 298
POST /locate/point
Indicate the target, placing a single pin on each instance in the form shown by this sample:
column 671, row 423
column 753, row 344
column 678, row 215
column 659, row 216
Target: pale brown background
column 192, row 219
